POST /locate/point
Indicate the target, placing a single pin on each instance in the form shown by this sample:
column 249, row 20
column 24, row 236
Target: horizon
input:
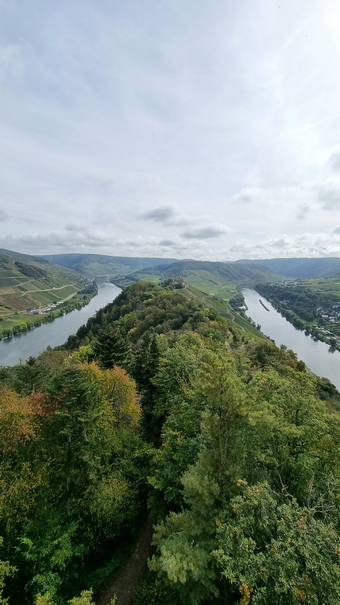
column 43, row 255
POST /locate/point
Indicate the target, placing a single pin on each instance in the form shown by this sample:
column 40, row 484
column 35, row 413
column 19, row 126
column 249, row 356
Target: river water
column 316, row 355
column 34, row 342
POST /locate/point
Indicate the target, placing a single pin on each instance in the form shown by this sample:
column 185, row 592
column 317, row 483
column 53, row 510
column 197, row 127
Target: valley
column 34, row 291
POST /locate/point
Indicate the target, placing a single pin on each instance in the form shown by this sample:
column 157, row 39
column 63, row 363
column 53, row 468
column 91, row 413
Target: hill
column 299, row 268
column 100, row 264
column 31, row 289
column 213, row 278
column 168, row 414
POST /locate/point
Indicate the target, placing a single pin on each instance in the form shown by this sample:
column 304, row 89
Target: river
column 316, row 355
column 32, row 343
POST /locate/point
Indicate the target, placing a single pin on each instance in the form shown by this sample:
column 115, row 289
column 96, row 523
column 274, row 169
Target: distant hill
column 214, row 278
column 100, row 264
column 27, row 283
column 24, row 257
column 299, row 268
column 233, row 272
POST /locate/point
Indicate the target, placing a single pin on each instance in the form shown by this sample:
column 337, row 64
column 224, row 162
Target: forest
column 159, row 407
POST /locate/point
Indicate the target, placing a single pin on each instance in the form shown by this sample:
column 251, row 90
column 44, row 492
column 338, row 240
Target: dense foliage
column 230, row 442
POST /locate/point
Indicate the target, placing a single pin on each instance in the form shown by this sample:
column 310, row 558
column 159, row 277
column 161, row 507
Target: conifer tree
column 112, row 349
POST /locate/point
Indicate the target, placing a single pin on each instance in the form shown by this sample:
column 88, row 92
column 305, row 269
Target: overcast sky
column 174, row 128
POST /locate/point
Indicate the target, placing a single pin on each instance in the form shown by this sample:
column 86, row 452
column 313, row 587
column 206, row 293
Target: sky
column 170, row 128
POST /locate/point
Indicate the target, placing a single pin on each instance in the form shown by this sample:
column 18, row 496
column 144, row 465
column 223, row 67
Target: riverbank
column 55, row 332
column 19, row 323
column 315, row 354
column 312, row 321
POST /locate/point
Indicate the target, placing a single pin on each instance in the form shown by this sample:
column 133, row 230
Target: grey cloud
column 244, row 198
column 334, row 161
column 71, row 240
column 3, row 216
column 72, row 227
column 303, row 210
column 160, row 215
column 204, row 233
column 181, row 222
column 337, row 230
column 167, row 242
column 280, row 243
column 329, row 196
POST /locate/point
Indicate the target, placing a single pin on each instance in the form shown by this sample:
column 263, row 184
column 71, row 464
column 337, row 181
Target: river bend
column 316, row 355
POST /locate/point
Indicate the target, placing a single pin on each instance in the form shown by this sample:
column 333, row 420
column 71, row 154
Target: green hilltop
column 214, row 278
column 101, row 264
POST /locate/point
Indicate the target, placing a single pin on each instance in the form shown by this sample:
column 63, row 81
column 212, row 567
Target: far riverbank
column 55, row 333
column 316, row 355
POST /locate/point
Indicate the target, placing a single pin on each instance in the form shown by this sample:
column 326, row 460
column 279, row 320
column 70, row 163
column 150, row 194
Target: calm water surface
column 316, row 355
column 34, row 342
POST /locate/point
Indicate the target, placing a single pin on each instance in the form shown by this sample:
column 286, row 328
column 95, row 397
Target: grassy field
column 329, row 285
column 213, row 285
column 222, row 307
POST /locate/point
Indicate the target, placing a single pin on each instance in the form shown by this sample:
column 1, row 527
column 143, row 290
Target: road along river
column 316, row 355
column 32, row 343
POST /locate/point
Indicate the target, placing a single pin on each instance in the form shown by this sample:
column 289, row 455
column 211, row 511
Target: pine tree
column 112, row 349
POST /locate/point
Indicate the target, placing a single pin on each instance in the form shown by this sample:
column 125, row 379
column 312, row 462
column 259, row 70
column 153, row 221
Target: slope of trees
column 160, row 403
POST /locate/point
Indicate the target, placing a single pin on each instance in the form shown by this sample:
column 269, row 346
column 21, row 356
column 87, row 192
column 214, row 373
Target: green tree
column 112, row 348
column 271, row 550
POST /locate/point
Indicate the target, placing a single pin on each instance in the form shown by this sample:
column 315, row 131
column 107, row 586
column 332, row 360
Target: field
column 27, row 285
column 222, row 307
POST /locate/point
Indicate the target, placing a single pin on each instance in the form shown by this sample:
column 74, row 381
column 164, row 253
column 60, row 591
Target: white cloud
column 185, row 114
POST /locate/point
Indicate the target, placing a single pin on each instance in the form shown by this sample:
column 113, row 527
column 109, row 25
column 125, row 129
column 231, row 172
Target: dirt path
column 124, row 584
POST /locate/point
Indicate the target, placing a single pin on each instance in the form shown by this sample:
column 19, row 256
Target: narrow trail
column 123, row 585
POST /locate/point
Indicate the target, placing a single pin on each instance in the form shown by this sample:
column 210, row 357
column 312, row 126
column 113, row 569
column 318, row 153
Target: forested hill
column 205, row 272
column 231, row 271
column 158, row 406
column 22, row 257
column 100, row 264
column 300, row 268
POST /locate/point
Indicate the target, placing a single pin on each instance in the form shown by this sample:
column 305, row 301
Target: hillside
column 100, row 264
column 168, row 415
column 299, row 268
column 31, row 289
column 213, row 278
